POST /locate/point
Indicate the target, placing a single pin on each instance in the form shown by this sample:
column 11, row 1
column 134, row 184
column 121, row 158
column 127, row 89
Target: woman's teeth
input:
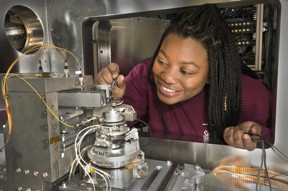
column 168, row 90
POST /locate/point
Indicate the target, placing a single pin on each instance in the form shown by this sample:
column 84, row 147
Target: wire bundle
column 257, row 175
column 8, row 75
column 88, row 168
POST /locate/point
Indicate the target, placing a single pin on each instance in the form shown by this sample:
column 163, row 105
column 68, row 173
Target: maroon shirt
column 189, row 117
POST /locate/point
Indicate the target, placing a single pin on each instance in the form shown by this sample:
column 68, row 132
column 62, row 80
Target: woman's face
column 180, row 69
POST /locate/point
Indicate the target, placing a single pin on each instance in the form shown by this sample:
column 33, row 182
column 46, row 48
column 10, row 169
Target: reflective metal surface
column 281, row 130
column 126, row 41
column 23, row 28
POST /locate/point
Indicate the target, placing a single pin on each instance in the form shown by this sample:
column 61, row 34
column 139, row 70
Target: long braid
column 205, row 24
column 235, row 83
column 225, row 95
column 215, row 110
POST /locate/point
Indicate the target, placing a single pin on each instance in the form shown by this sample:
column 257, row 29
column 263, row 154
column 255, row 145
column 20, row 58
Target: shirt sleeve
column 137, row 89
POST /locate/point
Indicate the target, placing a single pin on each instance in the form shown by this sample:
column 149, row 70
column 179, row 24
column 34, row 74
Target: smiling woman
column 180, row 73
column 196, row 83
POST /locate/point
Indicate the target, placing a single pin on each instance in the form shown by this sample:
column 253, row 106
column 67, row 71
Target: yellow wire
column 61, row 49
column 4, row 84
column 49, row 109
column 9, row 119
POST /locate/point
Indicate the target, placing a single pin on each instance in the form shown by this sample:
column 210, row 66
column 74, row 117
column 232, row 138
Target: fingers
column 121, row 82
column 104, row 77
column 256, row 129
column 107, row 74
column 248, row 143
column 113, row 69
column 119, row 90
column 237, row 136
column 250, row 127
column 233, row 137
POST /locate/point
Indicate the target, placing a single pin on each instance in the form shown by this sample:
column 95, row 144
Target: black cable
column 259, row 171
column 265, row 165
column 257, row 138
column 150, row 132
column 278, row 152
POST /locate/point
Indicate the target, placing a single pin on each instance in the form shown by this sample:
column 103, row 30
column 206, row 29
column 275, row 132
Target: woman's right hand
column 107, row 75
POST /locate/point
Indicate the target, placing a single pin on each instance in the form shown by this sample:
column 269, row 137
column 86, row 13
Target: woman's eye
column 185, row 72
column 161, row 62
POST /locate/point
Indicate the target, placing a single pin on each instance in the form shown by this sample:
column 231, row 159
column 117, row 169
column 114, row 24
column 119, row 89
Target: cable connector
column 81, row 79
column 66, row 70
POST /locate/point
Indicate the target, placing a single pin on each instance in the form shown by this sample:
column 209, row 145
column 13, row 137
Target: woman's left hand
column 237, row 136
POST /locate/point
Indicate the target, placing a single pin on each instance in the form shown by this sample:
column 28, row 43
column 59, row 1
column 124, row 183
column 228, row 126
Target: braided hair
column 205, row 24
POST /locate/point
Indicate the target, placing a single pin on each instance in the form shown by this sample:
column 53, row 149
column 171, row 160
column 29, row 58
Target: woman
column 196, row 83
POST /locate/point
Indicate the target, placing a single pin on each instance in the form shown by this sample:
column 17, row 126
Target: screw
column 36, row 173
column 45, row 174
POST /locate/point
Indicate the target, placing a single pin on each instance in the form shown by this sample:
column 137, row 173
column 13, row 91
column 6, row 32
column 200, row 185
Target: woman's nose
column 169, row 75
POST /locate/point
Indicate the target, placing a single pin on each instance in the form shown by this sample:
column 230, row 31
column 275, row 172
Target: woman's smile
column 165, row 91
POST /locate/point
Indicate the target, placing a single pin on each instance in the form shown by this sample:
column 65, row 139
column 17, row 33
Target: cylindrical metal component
column 23, row 28
column 112, row 116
